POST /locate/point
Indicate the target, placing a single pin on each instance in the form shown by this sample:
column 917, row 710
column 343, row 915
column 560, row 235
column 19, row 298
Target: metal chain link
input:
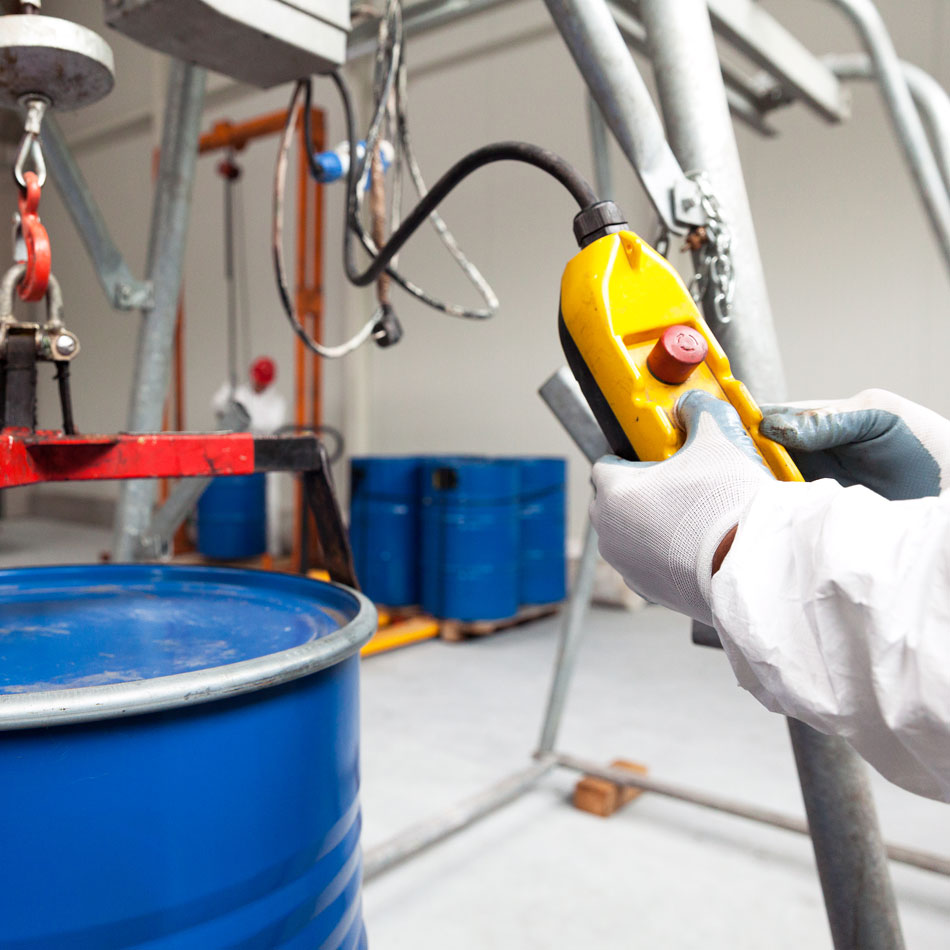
column 716, row 275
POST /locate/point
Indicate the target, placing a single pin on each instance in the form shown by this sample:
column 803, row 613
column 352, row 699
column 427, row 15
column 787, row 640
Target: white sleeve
column 221, row 398
column 833, row 606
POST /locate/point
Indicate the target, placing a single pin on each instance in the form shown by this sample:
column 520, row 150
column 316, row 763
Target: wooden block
column 601, row 797
column 451, row 630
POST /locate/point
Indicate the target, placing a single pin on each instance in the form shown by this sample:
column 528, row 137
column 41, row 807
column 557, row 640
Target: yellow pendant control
column 636, row 342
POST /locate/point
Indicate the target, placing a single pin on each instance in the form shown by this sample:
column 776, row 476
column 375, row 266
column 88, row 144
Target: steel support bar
column 564, row 398
column 924, row 860
column 906, row 121
column 418, row 838
column 849, row 852
column 597, row 128
column 607, row 66
column 760, row 37
column 748, row 101
column 569, row 642
column 929, row 97
column 123, row 290
column 172, row 201
column 702, row 137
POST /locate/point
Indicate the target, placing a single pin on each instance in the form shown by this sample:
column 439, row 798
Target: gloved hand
column 886, row 443
column 660, row 523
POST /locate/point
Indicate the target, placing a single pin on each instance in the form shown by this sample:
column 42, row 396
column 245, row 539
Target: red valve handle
column 35, row 281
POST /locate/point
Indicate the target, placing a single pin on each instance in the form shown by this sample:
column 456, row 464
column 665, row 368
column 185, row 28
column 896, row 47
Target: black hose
column 65, row 396
column 542, row 158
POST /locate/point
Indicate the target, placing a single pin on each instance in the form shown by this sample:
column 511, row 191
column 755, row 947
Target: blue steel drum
column 232, row 517
column 543, row 527
column 384, row 528
column 179, row 759
column 470, row 538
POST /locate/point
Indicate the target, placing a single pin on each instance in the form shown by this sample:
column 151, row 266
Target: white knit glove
column 660, row 523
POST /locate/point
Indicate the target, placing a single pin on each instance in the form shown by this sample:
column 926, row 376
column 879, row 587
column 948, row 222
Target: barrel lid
column 108, row 640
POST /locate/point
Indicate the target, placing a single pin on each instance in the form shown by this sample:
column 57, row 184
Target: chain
column 715, row 276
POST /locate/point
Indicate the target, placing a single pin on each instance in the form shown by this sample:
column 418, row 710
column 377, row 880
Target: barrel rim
column 178, row 690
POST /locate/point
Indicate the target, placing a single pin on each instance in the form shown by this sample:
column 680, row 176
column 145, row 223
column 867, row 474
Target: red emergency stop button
column 676, row 354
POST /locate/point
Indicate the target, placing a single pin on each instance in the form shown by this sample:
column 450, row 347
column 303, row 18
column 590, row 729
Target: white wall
column 857, row 287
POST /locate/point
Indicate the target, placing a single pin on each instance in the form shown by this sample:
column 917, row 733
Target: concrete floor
column 441, row 721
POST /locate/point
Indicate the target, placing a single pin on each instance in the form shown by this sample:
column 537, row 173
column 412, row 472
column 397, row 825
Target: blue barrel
column 232, row 517
column 384, row 528
column 543, row 527
column 470, row 538
column 179, row 759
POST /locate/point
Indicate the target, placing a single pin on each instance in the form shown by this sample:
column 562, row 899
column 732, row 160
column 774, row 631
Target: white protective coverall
column 833, row 606
column 833, row 602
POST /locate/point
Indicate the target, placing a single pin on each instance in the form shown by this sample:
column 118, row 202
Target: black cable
column 541, row 158
column 65, row 396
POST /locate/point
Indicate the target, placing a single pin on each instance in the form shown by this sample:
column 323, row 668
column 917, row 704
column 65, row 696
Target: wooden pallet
column 601, row 797
column 457, row 630
column 388, row 615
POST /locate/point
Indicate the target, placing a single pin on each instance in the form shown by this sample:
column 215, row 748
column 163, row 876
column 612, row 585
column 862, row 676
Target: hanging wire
column 390, row 74
column 388, row 82
column 280, row 182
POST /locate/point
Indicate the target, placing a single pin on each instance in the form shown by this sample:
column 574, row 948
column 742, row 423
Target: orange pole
column 308, row 300
column 309, row 260
column 237, row 134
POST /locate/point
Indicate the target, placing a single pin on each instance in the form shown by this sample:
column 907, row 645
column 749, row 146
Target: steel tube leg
column 904, row 116
column 572, row 634
column 693, row 100
column 852, row 864
column 834, row 784
column 607, row 66
column 166, row 253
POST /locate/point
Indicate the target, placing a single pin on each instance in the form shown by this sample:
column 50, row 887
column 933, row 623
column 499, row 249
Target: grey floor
column 440, row 721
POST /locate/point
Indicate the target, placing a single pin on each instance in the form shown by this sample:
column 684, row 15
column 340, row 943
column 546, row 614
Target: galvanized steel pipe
column 427, row 833
column 907, row 124
column 166, row 252
column 693, row 99
column 929, row 96
column 607, row 66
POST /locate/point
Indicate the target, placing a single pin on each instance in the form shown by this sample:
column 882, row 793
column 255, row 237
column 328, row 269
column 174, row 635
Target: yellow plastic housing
column 618, row 296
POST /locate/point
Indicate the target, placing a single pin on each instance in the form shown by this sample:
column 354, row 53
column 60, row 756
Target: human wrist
column 724, row 547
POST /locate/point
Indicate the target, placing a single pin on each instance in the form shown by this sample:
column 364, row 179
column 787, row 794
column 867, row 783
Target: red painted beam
column 27, row 458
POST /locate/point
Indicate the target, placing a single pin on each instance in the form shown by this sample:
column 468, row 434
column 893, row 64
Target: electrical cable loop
column 280, row 179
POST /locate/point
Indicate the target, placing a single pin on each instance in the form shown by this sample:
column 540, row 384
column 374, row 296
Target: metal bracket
column 130, row 294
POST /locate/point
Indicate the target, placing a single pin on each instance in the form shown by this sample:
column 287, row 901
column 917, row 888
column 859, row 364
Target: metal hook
column 30, row 148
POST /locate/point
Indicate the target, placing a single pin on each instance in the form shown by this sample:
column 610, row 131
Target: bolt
column 688, row 203
column 65, row 344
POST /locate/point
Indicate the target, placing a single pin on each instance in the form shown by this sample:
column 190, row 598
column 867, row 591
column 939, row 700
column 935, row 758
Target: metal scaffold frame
column 850, row 854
